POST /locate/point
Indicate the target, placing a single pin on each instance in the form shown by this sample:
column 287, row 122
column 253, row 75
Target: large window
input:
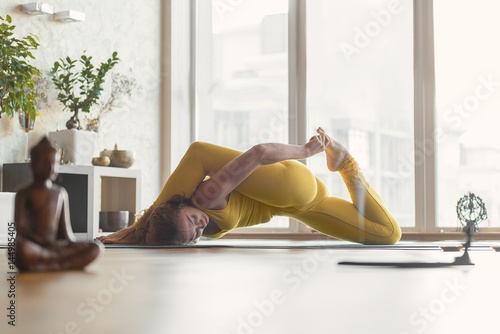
column 467, row 59
column 366, row 70
column 242, row 75
column 360, row 89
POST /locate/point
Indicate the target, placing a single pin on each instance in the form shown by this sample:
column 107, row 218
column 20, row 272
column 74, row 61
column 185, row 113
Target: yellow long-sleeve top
column 241, row 211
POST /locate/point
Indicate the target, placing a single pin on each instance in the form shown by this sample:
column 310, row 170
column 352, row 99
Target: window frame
column 423, row 111
column 181, row 18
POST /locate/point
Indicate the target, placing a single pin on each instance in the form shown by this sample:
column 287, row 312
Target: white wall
column 130, row 27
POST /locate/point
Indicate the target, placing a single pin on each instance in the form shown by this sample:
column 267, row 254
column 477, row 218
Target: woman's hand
column 318, row 143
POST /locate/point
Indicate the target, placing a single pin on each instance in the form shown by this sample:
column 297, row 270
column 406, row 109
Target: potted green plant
column 79, row 91
column 17, row 76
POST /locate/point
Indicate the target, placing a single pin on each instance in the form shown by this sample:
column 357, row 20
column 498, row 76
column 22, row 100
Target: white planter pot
column 78, row 146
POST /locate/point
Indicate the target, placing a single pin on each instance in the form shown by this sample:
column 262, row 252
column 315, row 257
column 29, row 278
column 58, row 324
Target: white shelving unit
column 91, row 189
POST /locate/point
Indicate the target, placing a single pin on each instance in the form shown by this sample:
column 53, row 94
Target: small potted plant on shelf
column 17, row 76
column 80, row 90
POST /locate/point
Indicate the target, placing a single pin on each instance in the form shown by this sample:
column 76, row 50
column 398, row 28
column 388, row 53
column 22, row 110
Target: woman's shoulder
column 206, row 203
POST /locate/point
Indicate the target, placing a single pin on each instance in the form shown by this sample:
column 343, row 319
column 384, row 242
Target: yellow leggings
column 365, row 220
column 291, row 187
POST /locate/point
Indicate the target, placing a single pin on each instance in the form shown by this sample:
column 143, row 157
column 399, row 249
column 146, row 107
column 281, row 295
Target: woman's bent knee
column 394, row 237
column 390, row 239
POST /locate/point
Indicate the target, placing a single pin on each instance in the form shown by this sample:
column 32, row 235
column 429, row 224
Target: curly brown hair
column 159, row 222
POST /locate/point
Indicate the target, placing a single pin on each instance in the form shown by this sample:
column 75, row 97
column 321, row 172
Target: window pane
column 360, row 89
column 242, row 75
column 467, row 55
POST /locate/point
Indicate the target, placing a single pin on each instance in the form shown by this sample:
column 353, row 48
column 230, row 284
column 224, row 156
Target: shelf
column 91, row 189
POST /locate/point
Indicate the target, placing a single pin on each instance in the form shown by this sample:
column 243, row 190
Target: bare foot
column 128, row 235
column 336, row 153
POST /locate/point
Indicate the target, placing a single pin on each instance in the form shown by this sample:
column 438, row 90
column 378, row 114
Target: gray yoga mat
column 314, row 244
column 280, row 244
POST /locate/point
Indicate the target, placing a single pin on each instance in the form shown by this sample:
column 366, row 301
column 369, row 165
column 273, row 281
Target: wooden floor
column 244, row 291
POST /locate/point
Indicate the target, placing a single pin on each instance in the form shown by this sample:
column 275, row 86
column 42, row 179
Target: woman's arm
column 274, row 152
column 212, row 193
column 201, row 159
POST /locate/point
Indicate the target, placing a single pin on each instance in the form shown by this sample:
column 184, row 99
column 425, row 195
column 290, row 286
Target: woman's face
column 191, row 222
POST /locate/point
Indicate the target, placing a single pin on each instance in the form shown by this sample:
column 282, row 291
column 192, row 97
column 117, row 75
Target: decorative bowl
column 105, row 153
column 112, row 221
column 122, row 158
column 101, row 161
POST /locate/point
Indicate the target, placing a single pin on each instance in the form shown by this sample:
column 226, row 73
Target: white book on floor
column 7, row 201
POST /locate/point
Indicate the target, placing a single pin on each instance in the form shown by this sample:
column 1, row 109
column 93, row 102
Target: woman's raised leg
column 365, row 220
